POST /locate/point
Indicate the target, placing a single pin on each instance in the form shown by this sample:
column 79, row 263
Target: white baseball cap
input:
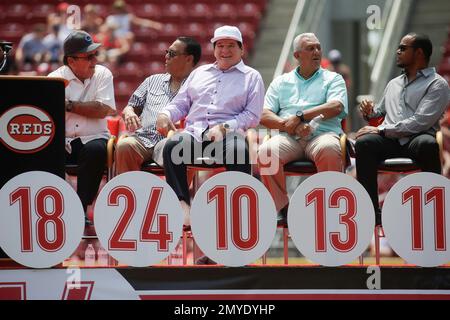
column 227, row 32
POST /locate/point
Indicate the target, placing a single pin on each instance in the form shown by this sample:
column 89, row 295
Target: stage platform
column 255, row 282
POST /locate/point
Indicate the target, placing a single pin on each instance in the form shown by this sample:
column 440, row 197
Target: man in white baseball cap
column 219, row 101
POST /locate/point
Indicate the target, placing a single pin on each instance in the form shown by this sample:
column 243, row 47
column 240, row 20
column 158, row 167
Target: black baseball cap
column 79, row 41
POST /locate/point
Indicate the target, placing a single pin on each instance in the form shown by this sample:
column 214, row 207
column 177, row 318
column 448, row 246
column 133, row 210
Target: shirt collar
column 297, row 73
column 239, row 66
column 69, row 75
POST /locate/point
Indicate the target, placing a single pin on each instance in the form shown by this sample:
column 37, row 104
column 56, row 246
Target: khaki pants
column 324, row 150
column 131, row 153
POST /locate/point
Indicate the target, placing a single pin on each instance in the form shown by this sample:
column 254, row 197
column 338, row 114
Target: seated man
column 150, row 97
column 89, row 99
column 412, row 105
column 219, row 101
column 292, row 100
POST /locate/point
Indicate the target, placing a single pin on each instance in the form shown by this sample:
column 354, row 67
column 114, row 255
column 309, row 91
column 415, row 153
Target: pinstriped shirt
column 147, row 101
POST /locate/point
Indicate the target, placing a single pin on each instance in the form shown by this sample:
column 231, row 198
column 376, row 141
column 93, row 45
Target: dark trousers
column 91, row 161
column 371, row 149
column 232, row 152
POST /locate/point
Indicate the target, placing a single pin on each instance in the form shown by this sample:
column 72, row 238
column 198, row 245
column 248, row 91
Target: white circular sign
column 416, row 219
column 41, row 219
column 233, row 218
column 138, row 218
column 331, row 218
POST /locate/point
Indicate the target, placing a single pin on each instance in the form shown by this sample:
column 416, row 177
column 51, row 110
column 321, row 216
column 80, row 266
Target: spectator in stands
column 411, row 106
column 124, row 19
column 292, row 100
column 336, row 65
column 113, row 48
column 60, row 18
column 150, row 97
column 219, row 102
column 53, row 44
column 89, row 99
column 31, row 49
column 91, row 20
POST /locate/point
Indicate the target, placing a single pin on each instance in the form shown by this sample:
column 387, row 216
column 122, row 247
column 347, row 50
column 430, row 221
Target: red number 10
column 219, row 193
column 22, row 195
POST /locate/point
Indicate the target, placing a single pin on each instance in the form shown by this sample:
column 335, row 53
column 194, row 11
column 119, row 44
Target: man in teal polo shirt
column 291, row 102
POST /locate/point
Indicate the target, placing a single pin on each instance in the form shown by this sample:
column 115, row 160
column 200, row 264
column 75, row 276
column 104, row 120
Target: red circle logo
column 26, row 129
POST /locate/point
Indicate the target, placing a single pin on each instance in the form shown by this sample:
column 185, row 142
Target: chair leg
column 264, row 259
column 285, row 245
column 377, row 247
column 184, row 243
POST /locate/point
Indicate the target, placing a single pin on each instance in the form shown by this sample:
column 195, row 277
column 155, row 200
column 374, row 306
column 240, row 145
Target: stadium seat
column 225, row 12
column 200, row 12
column 148, row 10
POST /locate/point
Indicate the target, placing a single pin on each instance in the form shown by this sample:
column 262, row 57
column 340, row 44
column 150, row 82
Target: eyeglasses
column 89, row 57
column 173, row 54
column 403, row 47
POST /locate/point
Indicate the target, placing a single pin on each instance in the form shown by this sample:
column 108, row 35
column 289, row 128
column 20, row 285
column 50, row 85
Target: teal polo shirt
column 290, row 93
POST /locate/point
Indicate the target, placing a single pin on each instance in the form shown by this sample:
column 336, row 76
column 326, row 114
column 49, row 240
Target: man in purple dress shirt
column 219, row 102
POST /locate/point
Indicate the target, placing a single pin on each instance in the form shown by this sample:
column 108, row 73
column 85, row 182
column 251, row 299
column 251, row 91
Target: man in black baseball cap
column 89, row 100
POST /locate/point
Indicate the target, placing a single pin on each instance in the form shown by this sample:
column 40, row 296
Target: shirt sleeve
column 179, row 107
column 271, row 101
column 139, row 97
column 105, row 89
column 430, row 109
column 250, row 117
column 337, row 91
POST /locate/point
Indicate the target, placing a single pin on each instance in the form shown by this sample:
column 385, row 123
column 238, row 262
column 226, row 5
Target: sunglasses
column 173, row 54
column 403, row 47
column 89, row 57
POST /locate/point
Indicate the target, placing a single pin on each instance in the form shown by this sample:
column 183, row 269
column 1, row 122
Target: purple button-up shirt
column 211, row 96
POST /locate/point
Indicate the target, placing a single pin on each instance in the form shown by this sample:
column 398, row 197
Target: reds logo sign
column 26, row 129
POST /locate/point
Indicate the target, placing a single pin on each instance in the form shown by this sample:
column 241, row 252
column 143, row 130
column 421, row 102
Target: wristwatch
column 382, row 132
column 69, row 105
column 300, row 115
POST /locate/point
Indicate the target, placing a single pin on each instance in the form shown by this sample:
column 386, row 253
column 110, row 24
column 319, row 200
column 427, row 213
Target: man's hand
column 303, row 130
column 291, row 124
column 164, row 124
column 132, row 121
column 366, row 107
column 216, row 133
column 367, row 130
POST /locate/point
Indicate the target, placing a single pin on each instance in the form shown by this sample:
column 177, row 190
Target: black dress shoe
column 282, row 217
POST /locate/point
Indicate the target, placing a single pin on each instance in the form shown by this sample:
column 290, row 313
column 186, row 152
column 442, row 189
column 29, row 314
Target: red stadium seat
column 173, row 12
column 40, row 12
column 249, row 12
column 18, row 12
column 200, row 12
column 157, row 50
column 130, row 72
column 196, row 30
column 148, row 11
column 154, row 67
column 170, row 32
column 138, row 52
column 12, row 32
column 225, row 12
